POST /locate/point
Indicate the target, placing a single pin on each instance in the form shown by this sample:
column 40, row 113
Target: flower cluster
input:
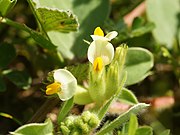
column 103, row 82
column 80, row 125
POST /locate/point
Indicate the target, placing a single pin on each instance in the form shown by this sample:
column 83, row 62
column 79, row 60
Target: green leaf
column 128, row 96
column 125, row 128
column 7, row 54
column 105, row 108
column 2, row 85
column 67, row 105
column 89, row 14
column 138, row 63
column 35, row 129
column 163, row 13
column 58, row 20
column 20, row 78
column 139, row 27
column 165, row 132
column 39, row 38
column 142, row 30
column 6, row 6
column 133, row 124
column 122, row 118
column 137, row 23
column 144, row 130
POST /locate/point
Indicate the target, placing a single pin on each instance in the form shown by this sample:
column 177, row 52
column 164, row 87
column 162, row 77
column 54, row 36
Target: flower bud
column 97, row 86
column 69, row 122
column 65, row 130
column 94, row 121
column 86, row 116
column 81, row 126
column 112, row 80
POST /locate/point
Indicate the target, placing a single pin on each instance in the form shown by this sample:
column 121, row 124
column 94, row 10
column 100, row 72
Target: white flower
column 100, row 53
column 99, row 35
column 64, row 85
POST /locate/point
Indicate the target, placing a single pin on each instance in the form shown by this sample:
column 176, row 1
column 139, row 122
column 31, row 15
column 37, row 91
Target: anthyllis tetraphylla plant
column 106, row 66
column 105, row 74
column 106, row 80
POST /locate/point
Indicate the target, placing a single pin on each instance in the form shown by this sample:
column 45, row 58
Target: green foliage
column 66, row 107
column 38, row 37
column 144, row 130
column 62, row 30
column 128, row 97
column 138, row 63
column 19, row 78
column 5, row 49
column 6, row 6
column 58, row 20
column 139, row 27
column 133, row 125
column 88, row 12
column 165, row 132
column 35, row 128
column 164, row 14
column 122, row 118
column 133, row 128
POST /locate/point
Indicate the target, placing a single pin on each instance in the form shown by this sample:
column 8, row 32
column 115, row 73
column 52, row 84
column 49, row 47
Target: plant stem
column 41, row 113
column 64, row 110
column 38, row 20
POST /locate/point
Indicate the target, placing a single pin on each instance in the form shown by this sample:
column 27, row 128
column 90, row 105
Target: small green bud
column 86, row 116
column 120, row 56
column 112, row 79
column 76, row 133
column 78, row 122
column 65, row 130
column 94, row 121
column 69, row 122
column 81, row 126
column 115, row 71
column 85, row 129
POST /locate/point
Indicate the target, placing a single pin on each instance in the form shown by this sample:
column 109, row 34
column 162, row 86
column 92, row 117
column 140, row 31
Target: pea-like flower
column 100, row 53
column 64, row 85
column 99, row 35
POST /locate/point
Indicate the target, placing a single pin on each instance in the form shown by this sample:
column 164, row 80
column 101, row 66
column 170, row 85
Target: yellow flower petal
column 98, row 31
column 53, row 88
column 98, row 64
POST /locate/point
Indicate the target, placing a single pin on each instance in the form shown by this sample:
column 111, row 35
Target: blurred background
column 150, row 24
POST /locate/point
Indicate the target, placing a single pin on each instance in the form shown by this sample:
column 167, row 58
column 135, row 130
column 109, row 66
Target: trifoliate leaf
column 58, row 20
